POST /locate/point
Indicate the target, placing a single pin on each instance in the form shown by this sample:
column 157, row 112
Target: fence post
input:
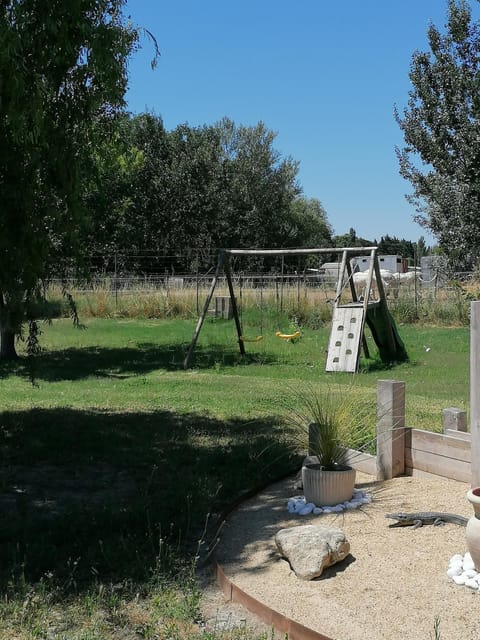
column 390, row 429
column 474, row 390
column 454, row 419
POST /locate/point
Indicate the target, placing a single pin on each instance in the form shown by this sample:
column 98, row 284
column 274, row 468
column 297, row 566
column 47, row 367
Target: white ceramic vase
column 472, row 531
column 327, row 488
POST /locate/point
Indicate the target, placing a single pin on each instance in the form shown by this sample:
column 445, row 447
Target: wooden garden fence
column 407, row 451
column 454, row 454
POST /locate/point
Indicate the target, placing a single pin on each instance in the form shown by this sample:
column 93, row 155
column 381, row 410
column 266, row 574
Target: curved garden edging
column 281, row 623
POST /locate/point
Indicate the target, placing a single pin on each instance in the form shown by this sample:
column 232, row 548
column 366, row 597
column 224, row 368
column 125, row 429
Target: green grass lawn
column 133, row 365
column 113, row 458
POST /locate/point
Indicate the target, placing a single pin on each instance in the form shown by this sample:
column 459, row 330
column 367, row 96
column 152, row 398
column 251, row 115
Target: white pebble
column 454, row 571
column 459, row 579
column 468, row 564
column 470, row 573
column 299, row 505
column 454, row 562
column 470, row 582
column 456, row 567
column 308, row 508
column 457, row 558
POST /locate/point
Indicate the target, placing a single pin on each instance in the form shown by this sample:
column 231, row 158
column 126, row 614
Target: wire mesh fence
column 155, row 286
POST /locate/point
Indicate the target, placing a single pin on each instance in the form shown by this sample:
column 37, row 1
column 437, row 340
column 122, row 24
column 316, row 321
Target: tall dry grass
column 304, row 305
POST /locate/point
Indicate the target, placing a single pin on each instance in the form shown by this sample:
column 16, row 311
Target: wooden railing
column 454, row 454
column 407, row 451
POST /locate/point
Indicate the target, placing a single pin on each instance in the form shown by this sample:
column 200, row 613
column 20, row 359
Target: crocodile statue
column 418, row 519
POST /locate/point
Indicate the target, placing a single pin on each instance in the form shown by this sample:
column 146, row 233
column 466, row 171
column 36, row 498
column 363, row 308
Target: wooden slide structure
column 348, row 323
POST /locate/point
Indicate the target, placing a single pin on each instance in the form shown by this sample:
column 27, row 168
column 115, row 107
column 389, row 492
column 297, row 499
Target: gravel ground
column 392, row 585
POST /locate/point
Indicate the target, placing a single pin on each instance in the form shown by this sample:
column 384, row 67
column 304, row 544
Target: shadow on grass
column 88, row 496
column 78, row 363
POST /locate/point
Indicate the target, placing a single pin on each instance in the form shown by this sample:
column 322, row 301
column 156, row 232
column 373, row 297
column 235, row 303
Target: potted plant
column 472, row 531
column 332, row 424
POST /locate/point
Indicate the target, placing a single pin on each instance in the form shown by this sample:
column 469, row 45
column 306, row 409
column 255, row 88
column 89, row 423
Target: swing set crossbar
column 296, row 252
column 223, row 264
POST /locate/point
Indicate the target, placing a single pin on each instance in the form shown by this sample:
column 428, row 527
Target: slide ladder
column 345, row 338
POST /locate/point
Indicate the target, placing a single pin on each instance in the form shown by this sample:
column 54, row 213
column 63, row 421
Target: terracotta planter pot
column 472, row 531
column 327, row 488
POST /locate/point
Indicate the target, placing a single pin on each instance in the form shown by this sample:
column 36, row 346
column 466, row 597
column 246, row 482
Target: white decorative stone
column 457, row 558
column 471, row 583
column 460, row 570
column 470, row 573
column 308, row 508
column 454, row 562
column 298, row 504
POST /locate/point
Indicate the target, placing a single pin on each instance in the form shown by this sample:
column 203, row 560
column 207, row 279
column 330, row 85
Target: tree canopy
column 441, row 129
column 61, row 69
column 198, row 189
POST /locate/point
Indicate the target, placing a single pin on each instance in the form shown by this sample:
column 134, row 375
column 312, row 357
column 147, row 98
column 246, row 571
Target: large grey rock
column 310, row 548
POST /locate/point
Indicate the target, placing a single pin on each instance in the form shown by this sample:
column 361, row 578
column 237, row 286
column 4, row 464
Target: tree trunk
column 7, row 345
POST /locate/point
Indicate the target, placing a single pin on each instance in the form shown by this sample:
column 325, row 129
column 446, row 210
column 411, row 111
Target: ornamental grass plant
column 329, row 422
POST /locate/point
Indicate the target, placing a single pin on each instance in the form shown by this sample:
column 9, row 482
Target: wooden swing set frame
column 223, row 264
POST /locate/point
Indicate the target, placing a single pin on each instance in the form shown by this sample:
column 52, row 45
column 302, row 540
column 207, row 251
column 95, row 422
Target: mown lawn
column 114, row 457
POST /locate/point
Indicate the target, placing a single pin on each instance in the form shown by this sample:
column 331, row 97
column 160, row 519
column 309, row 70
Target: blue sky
column 324, row 75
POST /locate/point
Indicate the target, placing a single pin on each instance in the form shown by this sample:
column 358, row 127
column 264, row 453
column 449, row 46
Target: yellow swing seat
column 256, row 339
column 288, row 336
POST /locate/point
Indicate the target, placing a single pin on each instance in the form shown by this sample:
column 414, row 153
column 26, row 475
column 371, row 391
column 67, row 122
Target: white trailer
column 393, row 263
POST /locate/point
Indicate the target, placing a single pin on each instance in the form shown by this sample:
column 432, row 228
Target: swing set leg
column 186, row 362
column 228, row 275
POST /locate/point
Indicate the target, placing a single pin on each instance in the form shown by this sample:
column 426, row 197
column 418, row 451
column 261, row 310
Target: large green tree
column 198, row 188
column 391, row 245
column 260, row 187
column 62, row 67
column 441, row 129
column 309, row 226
